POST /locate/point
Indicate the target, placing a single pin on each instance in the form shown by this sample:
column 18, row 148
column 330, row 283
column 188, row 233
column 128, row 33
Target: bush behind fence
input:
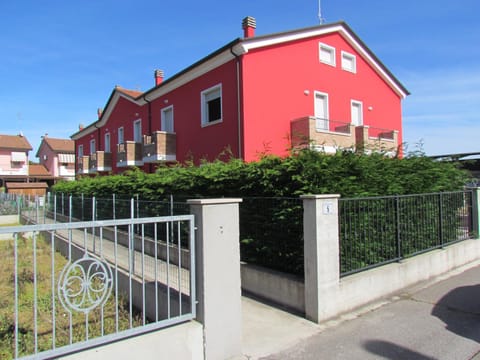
column 372, row 231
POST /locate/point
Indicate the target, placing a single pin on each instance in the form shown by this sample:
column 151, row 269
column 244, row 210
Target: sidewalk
column 435, row 320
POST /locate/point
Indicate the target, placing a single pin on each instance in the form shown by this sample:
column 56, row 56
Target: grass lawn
column 67, row 326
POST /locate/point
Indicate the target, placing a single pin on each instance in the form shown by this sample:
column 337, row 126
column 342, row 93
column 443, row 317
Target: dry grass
column 67, row 327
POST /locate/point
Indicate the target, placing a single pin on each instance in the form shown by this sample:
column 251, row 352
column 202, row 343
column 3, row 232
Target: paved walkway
column 435, row 320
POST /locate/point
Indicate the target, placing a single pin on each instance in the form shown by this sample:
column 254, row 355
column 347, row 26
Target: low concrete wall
column 149, row 244
column 277, row 287
column 359, row 289
column 182, row 342
column 8, row 219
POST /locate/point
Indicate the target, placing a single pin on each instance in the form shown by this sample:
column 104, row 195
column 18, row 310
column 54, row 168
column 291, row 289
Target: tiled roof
column 14, row 142
column 60, row 145
column 25, row 185
column 131, row 93
column 38, row 170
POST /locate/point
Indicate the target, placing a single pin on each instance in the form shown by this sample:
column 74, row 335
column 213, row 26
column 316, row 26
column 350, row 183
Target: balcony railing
column 160, row 146
column 330, row 135
column 83, row 164
column 129, row 153
column 100, row 161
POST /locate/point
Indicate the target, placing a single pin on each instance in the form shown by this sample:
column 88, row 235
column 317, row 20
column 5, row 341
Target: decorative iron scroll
column 85, row 284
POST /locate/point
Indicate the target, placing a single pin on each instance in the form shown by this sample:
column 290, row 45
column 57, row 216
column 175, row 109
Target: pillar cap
column 323, row 196
column 214, row 201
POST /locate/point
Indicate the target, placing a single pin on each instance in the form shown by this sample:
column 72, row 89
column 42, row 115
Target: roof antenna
column 320, row 18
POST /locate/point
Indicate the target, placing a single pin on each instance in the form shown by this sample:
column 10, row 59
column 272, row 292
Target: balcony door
column 321, row 110
column 137, row 131
column 357, row 113
column 167, row 120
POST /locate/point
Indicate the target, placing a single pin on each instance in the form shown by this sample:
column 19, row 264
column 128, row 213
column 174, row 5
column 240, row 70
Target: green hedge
column 271, row 230
column 308, row 172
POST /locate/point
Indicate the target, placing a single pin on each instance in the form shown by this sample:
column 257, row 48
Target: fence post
column 321, row 254
column 218, row 286
column 475, row 211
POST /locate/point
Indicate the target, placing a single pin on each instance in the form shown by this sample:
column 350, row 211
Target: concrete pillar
column 475, row 211
column 218, row 285
column 321, row 254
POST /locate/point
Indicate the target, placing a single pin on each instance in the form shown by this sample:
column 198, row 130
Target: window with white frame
column 80, row 151
column 137, row 131
column 349, row 62
column 327, row 54
column 107, row 142
column 121, row 138
column 92, row 146
column 211, row 105
column 167, row 120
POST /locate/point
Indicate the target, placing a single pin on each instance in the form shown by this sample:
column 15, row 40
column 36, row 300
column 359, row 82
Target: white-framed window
column 211, row 105
column 167, row 120
column 80, row 151
column 326, row 54
column 121, row 137
column 357, row 112
column 137, row 131
column 107, row 142
column 321, row 111
column 92, row 146
column 349, row 62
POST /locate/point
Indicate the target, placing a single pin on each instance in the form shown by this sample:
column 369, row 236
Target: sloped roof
column 25, row 185
column 239, row 47
column 38, row 171
column 132, row 93
column 117, row 92
column 14, row 142
column 57, row 145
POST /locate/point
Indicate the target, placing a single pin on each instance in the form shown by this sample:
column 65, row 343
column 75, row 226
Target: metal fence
column 379, row 230
column 271, row 233
column 83, row 208
column 68, row 286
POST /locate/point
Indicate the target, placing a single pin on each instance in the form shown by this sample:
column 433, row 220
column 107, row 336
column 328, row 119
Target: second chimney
column 249, row 24
column 158, row 77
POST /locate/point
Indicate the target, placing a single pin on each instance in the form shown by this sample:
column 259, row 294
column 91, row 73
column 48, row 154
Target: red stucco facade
column 260, row 86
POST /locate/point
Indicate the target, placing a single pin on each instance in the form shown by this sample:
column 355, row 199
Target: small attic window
column 326, row 54
column 349, row 62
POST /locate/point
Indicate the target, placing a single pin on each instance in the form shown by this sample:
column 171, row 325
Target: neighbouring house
column 318, row 87
column 14, row 158
column 58, row 157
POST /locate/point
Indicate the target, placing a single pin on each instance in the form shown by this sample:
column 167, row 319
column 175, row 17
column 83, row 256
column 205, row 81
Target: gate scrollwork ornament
column 85, row 284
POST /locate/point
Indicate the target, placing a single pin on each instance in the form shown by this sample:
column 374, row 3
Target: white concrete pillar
column 321, row 254
column 475, row 211
column 218, row 276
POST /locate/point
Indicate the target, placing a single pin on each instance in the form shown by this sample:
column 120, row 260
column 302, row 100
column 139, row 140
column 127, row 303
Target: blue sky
column 60, row 60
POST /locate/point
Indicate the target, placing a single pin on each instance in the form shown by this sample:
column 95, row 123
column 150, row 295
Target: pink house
column 58, row 157
column 318, row 87
column 13, row 158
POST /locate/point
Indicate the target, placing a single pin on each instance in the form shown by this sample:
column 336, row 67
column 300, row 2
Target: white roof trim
column 105, row 116
column 188, row 76
column 253, row 43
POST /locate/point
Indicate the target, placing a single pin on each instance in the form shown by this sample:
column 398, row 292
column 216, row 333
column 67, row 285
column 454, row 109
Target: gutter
column 239, row 114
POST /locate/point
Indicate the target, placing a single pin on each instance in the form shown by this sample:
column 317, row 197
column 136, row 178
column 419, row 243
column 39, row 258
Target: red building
column 319, row 87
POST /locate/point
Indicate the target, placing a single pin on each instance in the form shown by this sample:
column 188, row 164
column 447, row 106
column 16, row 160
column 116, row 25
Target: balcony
column 329, row 136
column 159, row 147
column 129, row 154
column 83, row 164
column 100, row 161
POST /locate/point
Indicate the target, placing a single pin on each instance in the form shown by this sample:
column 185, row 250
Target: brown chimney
column 158, row 77
column 249, row 24
column 81, row 127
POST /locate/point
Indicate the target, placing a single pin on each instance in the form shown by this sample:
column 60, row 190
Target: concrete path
column 435, row 320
